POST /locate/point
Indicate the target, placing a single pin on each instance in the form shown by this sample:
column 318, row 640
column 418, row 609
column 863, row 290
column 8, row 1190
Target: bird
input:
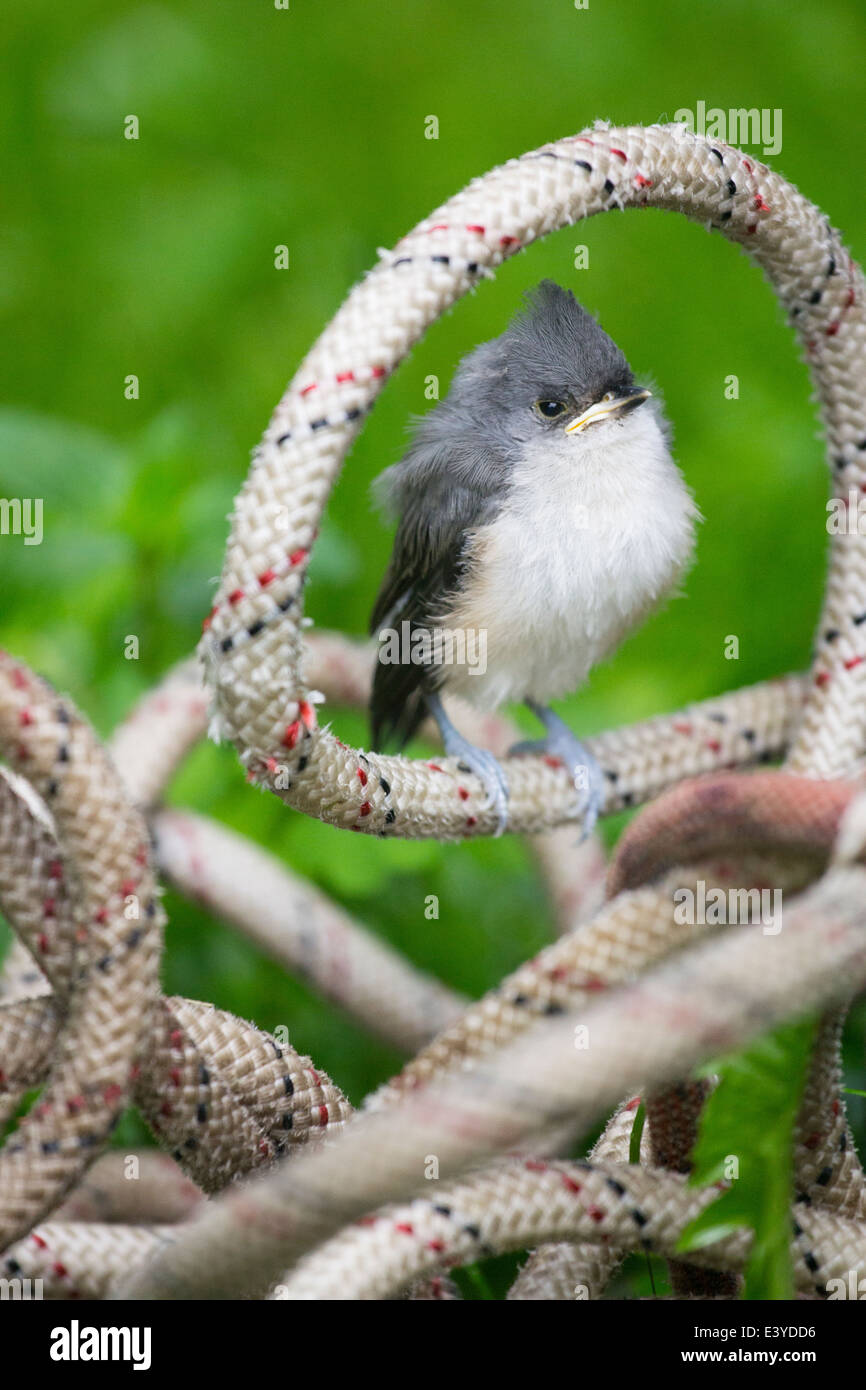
column 541, row 515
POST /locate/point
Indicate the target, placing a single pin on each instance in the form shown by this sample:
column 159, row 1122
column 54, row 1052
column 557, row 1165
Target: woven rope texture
column 337, row 1203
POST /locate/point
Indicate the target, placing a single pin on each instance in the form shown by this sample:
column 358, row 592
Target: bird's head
column 554, row 374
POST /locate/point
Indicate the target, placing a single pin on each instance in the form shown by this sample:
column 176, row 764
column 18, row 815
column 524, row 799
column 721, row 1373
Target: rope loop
column 252, row 646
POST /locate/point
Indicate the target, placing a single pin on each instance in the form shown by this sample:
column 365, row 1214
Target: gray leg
column 478, row 760
column 561, row 743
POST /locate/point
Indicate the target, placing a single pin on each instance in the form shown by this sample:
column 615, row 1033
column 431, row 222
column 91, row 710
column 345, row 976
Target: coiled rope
column 506, row 1071
column 253, row 641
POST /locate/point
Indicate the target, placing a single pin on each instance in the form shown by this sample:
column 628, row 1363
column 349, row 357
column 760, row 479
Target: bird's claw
column 595, row 795
column 478, row 761
column 587, row 776
column 488, row 770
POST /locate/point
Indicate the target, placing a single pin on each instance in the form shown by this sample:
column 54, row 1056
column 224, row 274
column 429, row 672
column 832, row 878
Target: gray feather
column 455, row 474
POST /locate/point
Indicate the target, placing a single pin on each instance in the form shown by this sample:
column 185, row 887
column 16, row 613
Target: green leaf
column 636, row 1134
column 746, row 1137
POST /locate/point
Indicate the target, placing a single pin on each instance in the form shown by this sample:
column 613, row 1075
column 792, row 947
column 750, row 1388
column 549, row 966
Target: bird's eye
column 608, row 396
column 550, row 409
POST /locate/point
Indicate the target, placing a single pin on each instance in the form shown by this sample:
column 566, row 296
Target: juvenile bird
column 541, row 517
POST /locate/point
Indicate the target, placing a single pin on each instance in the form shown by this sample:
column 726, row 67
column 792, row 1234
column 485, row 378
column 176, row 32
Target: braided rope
column 636, row 931
column 504, row 1208
column 302, row 930
column 712, row 998
column 560, row 1271
column 754, row 724
column 220, row 1093
column 466, row 1099
column 826, row 1167
column 82, row 1259
column 20, row 978
column 132, row 1189
column 113, row 970
column 512, row 1204
column 715, row 816
column 252, row 645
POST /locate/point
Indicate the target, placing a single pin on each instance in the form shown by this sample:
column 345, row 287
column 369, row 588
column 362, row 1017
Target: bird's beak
column 602, row 409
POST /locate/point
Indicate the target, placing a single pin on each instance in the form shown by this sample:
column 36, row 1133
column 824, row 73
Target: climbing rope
column 81, row 836
column 253, row 645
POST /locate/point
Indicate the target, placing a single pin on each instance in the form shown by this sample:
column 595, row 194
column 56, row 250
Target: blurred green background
column 305, row 127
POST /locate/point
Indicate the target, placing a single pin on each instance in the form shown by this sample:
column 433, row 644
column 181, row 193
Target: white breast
column 595, row 531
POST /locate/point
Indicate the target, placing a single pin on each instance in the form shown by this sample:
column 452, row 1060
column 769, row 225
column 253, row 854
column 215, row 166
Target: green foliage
column 749, row 1120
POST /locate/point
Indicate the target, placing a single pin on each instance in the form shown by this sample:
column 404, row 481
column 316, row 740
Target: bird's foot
column 489, row 772
column 561, row 743
column 478, row 761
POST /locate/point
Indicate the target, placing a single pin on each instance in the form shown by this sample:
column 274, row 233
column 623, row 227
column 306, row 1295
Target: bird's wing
column 427, row 564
